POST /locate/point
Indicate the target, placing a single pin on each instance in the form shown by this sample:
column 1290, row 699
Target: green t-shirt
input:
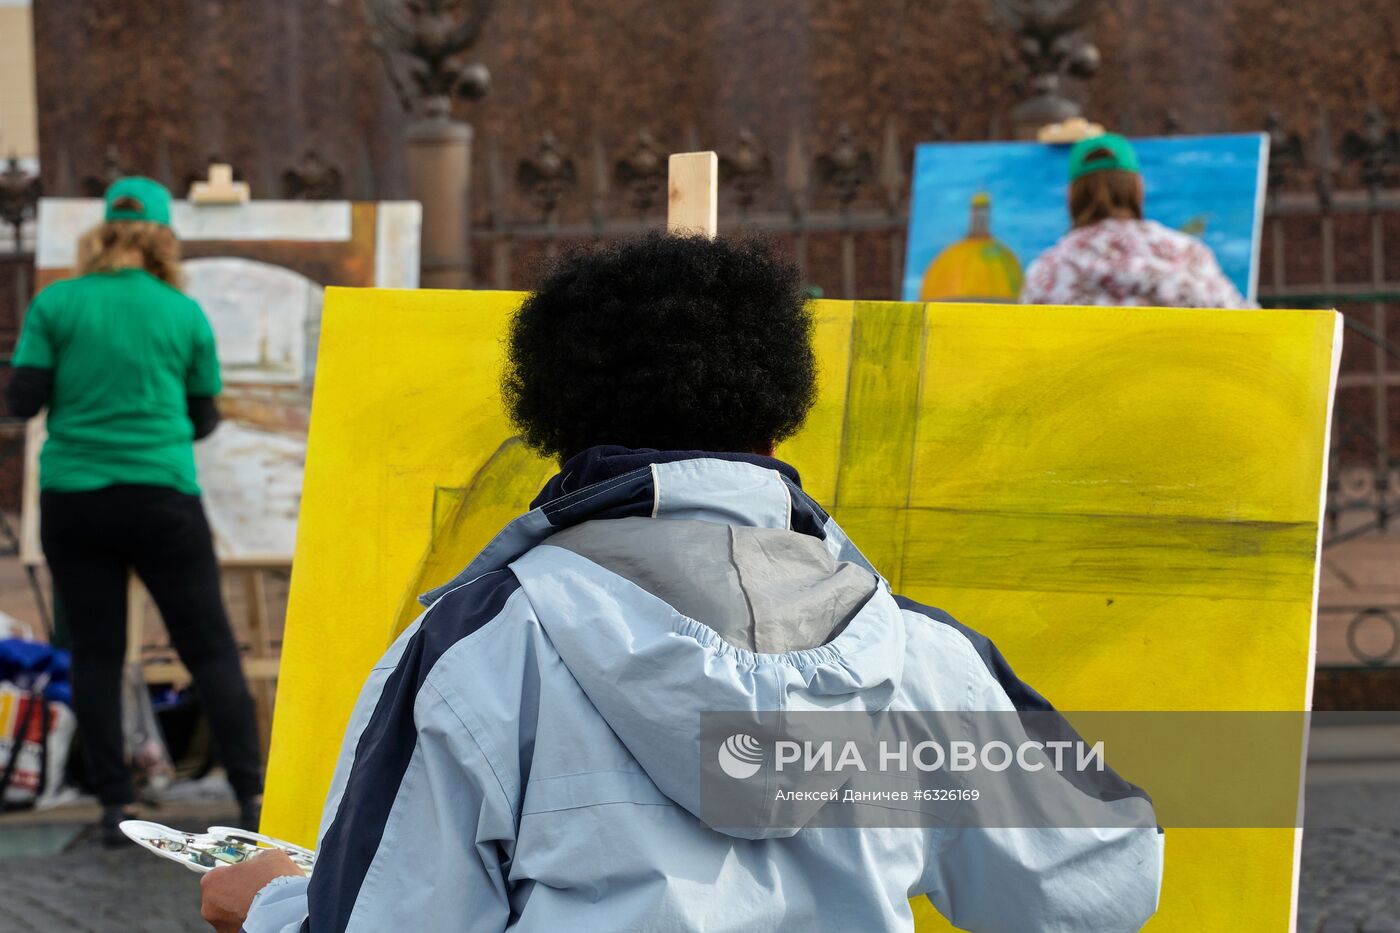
column 125, row 349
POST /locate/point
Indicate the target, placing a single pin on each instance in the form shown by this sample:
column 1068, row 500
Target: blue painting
column 1014, row 192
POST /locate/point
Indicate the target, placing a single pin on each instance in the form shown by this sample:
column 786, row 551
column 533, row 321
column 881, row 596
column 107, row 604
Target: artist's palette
column 220, row 846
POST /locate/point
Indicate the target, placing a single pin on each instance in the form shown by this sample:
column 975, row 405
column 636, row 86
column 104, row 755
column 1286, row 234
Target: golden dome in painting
column 978, row 267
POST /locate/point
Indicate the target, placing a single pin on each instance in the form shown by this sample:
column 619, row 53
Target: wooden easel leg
column 260, row 646
column 135, row 619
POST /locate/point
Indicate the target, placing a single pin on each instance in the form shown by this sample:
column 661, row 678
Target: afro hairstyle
column 662, row 342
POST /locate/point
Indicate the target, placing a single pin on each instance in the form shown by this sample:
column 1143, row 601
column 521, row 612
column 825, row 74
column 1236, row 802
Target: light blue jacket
column 526, row 755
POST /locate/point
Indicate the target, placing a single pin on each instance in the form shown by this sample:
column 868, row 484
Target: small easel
column 692, row 205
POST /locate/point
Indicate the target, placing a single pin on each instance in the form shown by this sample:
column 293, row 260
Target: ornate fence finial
column 748, row 169
column 642, row 172
column 1050, row 47
column 598, row 180
column 113, row 167
column 795, row 172
column 892, row 162
column 312, row 179
column 547, row 175
column 1285, row 152
column 1376, row 150
column 19, row 196
column 421, row 42
column 846, row 166
column 1323, row 162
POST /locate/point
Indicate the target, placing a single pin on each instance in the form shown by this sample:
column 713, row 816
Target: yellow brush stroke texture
column 1125, row 500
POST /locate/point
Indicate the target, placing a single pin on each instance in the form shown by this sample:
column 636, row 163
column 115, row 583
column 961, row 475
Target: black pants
column 92, row 540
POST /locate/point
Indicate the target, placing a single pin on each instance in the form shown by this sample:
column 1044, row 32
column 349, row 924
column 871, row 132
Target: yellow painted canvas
column 1125, row 500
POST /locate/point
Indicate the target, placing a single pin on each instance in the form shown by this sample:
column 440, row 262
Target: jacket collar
column 605, row 462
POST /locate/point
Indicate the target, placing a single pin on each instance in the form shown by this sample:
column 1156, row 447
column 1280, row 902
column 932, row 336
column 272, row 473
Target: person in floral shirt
column 1115, row 257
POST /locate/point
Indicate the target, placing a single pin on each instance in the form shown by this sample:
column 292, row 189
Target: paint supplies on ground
column 36, row 724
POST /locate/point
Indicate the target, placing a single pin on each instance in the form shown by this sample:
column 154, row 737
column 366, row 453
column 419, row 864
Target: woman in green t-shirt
column 126, row 365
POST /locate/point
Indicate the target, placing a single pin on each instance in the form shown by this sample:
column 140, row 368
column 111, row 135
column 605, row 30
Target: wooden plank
column 135, row 618
column 173, row 672
column 256, row 593
column 260, row 647
column 692, row 205
column 267, row 561
column 31, row 554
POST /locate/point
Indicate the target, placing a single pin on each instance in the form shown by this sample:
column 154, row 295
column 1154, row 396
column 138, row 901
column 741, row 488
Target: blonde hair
column 1104, row 195
column 107, row 247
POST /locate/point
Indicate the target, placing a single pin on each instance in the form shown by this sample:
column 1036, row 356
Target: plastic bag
column 36, row 724
column 10, row 627
column 145, row 747
column 43, row 731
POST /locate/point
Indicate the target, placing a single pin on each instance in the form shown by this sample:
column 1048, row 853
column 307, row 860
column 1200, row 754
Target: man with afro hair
column 528, row 755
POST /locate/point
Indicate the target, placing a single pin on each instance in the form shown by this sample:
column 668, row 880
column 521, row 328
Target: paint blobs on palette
column 219, row 847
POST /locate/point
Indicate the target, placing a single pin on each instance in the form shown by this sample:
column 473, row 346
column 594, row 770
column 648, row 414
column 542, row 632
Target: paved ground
column 1352, row 863
column 1349, row 881
column 94, row 890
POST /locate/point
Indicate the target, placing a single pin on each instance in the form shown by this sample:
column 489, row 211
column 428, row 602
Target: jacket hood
column 694, row 585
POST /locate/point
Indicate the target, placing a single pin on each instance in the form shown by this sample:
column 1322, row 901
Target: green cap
column 136, row 198
column 1120, row 156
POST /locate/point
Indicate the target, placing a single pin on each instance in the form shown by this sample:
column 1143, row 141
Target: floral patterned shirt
column 1130, row 262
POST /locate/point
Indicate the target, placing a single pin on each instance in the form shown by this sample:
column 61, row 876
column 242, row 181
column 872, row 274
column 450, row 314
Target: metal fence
column 827, row 203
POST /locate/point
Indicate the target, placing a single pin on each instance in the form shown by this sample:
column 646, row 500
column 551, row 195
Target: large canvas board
column 1209, row 186
column 1126, row 500
column 259, row 271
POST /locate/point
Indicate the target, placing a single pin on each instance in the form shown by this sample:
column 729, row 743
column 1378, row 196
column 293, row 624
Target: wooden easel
column 260, row 664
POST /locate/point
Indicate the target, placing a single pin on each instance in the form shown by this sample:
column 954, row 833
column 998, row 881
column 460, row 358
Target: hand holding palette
column 220, row 846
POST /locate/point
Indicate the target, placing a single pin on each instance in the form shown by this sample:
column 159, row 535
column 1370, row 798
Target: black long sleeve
column 204, row 414
column 29, row 390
